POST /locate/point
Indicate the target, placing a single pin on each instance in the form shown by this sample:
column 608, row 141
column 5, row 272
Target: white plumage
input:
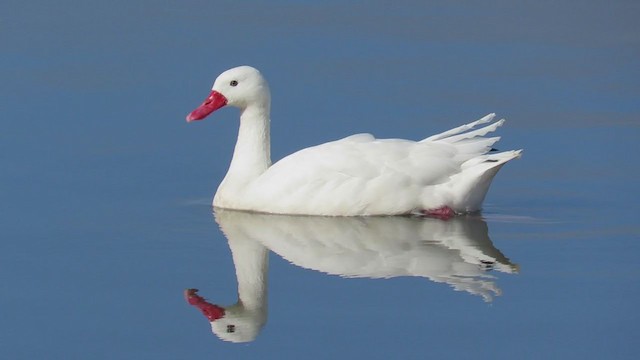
column 357, row 175
column 458, row 253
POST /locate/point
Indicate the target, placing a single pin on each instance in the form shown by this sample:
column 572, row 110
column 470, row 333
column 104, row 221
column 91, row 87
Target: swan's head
column 242, row 86
column 239, row 324
column 233, row 323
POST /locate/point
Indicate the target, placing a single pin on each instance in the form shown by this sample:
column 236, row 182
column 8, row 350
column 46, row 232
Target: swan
column 457, row 252
column 442, row 175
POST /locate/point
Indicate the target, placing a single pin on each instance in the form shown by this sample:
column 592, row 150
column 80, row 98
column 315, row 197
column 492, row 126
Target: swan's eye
column 231, row 328
column 233, row 83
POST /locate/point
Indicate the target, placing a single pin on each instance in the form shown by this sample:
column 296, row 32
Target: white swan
column 441, row 175
column 456, row 252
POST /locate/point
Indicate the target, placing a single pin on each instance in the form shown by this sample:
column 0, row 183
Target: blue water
column 106, row 190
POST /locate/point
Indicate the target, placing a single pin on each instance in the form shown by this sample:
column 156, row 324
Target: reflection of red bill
column 213, row 102
column 211, row 311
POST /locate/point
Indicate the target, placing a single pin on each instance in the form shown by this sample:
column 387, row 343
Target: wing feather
column 360, row 174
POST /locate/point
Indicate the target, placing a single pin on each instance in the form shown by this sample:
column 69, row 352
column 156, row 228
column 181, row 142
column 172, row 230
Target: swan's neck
column 252, row 154
column 251, row 261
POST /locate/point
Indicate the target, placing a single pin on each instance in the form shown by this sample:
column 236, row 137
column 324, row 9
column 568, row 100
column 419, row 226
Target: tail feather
column 492, row 159
column 475, row 133
column 473, row 182
column 477, row 145
column 479, row 161
column 460, row 129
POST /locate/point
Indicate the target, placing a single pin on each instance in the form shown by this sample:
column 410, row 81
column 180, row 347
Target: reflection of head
column 239, row 324
column 233, row 323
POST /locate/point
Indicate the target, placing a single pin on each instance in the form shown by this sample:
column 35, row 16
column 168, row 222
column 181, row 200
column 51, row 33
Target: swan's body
column 357, row 175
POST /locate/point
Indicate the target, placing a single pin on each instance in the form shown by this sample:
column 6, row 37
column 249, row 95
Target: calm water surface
column 106, row 191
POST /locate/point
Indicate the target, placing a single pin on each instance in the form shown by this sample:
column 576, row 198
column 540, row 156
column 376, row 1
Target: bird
column 458, row 252
column 442, row 175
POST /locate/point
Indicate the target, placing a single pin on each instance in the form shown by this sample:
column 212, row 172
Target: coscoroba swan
column 441, row 175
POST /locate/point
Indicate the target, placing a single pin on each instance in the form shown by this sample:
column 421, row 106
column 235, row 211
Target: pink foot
column 442, row 213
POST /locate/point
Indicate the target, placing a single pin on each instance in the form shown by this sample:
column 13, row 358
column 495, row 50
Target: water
column 106, row 190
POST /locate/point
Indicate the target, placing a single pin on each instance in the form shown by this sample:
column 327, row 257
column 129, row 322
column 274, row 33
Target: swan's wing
column 363, row 157
column 355, row 172
column 364, row 175
column 461, row 129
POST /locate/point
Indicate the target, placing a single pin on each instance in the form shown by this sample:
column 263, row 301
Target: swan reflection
column 457, row 252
